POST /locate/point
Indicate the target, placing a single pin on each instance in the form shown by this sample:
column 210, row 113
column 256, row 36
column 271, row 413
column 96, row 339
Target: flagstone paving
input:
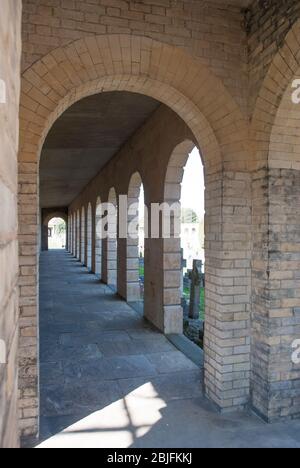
column 109, row 379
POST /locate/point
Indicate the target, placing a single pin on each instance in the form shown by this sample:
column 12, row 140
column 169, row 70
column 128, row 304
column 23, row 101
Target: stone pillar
column 133, row 293
column 227, row 289
column 122, row 268
column 276, row 294
column 82, row 237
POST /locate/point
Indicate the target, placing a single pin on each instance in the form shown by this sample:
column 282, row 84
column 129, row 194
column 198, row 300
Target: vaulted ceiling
column 84, row 139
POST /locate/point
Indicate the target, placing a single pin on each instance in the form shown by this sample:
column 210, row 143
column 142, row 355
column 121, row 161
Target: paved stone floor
column 109, row 380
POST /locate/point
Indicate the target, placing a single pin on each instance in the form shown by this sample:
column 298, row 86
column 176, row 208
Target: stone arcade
column 99, row 96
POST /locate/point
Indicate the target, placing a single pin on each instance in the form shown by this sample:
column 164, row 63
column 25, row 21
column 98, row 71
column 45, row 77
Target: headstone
column 196, row 284
column 183, row 265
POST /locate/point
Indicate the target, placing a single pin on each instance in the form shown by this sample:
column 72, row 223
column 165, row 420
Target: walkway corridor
column 109, row 380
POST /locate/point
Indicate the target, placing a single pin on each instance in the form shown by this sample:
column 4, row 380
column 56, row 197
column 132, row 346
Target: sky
column 192, row 192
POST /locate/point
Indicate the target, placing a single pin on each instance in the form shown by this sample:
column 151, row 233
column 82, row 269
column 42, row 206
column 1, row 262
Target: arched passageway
column 98, row 238
column 179, row 105
column 82, row 236
column 89, row 241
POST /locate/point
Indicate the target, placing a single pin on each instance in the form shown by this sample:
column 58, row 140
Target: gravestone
column 196, row 284
column 183, row 299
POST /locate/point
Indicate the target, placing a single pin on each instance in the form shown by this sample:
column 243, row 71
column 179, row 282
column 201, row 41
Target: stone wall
column 10, row 54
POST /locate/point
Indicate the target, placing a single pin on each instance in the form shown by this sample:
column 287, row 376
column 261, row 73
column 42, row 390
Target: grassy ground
column 186, row 293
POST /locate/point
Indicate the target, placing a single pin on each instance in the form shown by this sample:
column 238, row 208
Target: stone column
column 276, row 294
column 228, row 289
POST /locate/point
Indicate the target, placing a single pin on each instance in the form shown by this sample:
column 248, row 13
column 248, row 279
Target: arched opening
column 111, row 240
column 89, row 237
column 192, row 247
column 73, row 234
column 70, row 233
column 188, row 99
column 82, row 236
column 78, row 235
column 136, row 241
column 98, row 238
column 173, row 258
column 57, row 234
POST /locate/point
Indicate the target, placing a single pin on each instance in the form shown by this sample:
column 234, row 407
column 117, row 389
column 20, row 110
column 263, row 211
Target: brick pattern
column 89, row 237
column 194, row 78
column 228, row 251
column 276, row 321
column 10, row 55
column 274, row 324
column 267, row 30
column 65, row 75
column 132, row 252
column 209, row 30
column 97, row 241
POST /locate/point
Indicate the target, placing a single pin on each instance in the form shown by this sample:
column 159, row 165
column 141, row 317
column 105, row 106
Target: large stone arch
column 122, row 63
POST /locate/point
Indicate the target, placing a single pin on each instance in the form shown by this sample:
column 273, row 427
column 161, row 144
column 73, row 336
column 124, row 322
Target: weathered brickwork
column 228, row 247
column 216, row 71
column 10, row 55
column 211, row 31
column 276, row 322
column 267, row 24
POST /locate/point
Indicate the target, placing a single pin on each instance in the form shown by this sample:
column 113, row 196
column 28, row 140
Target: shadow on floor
column 109, row 379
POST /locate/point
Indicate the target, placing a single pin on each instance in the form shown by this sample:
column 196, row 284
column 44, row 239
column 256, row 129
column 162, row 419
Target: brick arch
column 123, row 63
column 98, row 238
column 89, row 242
column 77, row 234
column 130, row 63
column 110, row 252
column 82, row 235
column 173, row 314
column 274, row 94
column 55, row 214
column 45, row 221
column 275, row 130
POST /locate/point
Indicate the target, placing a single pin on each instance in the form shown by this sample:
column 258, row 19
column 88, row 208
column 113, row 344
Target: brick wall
column 276, row 318
column 267, row 27
column 10, row 52
column 213, row 33
column 215, row 36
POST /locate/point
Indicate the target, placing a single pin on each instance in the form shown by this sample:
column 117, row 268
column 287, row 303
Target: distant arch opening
column 57, row 232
